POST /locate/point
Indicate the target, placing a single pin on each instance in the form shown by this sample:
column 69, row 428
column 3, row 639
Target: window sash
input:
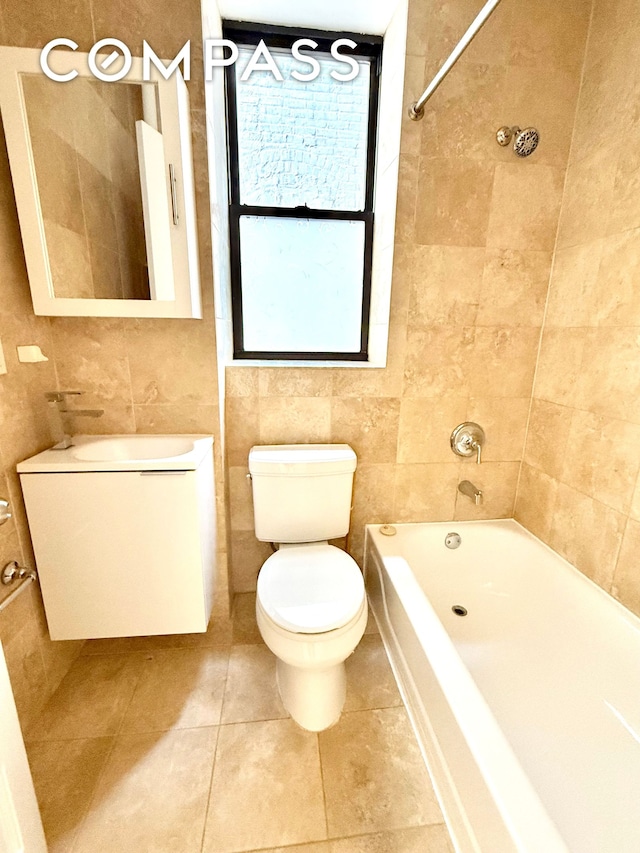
column 369, row 47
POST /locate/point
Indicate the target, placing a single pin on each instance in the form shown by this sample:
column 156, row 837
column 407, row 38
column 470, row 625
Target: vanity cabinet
column 123, row 553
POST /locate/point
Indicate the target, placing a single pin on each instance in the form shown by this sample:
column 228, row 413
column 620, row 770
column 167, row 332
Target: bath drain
column 459, row 610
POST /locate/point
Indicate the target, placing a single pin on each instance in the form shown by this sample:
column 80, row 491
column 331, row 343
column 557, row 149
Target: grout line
column 322, row 785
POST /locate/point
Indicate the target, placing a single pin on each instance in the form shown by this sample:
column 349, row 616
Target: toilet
column 311, row 606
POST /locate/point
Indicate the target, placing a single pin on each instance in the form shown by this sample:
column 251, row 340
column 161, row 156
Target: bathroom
column 512, row 305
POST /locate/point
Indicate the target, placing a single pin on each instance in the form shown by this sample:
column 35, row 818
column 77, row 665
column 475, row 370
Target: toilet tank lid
column 302, row 459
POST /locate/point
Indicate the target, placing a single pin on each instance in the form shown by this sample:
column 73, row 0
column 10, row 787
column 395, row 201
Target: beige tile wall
column 475, row 232
column 36, row 665
column 579, row 489
column 148, row 375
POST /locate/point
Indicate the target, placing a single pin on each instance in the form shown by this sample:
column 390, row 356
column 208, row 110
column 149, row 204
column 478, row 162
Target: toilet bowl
column 311, row 610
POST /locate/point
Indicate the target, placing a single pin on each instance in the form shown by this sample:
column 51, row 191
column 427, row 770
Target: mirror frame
column 173, row 103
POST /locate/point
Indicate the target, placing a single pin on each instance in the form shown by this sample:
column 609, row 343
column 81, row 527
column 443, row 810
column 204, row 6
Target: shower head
column 525, row 141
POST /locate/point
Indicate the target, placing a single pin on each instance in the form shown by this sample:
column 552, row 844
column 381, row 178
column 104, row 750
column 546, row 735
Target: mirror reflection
column 85, row 154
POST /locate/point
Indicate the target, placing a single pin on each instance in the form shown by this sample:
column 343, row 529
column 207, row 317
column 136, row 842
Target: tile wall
column 475, row 232
column 148, row 375
column 579, row 489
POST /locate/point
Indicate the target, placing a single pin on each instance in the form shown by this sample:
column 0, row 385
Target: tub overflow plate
column 388, row 530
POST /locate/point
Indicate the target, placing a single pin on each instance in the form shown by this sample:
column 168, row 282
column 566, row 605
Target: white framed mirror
column 103, row 180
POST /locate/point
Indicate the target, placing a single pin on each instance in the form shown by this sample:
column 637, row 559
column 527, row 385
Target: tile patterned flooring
column 152, row 749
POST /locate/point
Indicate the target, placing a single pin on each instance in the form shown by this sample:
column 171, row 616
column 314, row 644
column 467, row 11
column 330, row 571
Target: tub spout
column 470, row 491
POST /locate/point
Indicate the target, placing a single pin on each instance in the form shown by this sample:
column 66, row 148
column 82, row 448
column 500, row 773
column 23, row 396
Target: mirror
column 103, row 180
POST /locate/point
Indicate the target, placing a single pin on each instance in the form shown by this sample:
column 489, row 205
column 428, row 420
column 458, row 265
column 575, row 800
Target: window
column 301, row 164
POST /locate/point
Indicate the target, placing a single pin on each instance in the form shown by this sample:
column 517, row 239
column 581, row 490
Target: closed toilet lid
column 311, row 588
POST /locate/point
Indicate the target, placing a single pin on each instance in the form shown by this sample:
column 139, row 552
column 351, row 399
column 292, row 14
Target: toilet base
column 313, row 697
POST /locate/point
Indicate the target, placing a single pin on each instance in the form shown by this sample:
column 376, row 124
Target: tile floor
column 158, row 749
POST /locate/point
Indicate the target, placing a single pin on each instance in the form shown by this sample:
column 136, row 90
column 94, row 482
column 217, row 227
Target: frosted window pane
column 302, row 142
column 301, row 284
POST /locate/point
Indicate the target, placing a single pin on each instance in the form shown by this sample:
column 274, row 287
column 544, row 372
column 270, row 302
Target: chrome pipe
column 416, row 111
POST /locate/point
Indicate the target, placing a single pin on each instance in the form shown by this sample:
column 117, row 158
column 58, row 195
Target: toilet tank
column 301, row 492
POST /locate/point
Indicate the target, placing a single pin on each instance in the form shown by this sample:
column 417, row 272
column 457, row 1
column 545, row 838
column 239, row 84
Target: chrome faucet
column 60, row 415
column 470, row 491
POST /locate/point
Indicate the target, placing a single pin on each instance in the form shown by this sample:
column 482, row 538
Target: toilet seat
column 310, row 589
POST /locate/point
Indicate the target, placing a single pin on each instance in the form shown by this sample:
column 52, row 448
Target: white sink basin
column 132, row 448
column 122, row 453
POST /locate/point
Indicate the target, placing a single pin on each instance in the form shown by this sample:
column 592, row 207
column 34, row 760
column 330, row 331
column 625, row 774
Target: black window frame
column 369, row 46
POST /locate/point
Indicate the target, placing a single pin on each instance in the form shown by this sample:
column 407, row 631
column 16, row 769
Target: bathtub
column 527, row 708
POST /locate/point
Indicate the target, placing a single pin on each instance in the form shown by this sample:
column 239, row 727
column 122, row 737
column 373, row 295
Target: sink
column 122, row 453
column 131, row 447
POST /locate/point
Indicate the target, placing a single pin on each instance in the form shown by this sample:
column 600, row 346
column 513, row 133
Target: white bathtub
column 527, row 709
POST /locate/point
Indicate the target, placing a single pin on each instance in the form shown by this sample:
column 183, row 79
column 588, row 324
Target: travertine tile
column 547, row 437
column 618, row 300
column 295, row 382
column 368, row 424
column 91, row 700
column 242, row 428
column 178, row 689
column 295, row 420
column 259, row 772
column 610, row 378
column 425, row 492
column 182, row 372
column 535, row 501
column 448, row 21
column 245, row 627
column 247, row 557
column 426, row 426
column 514, row 287
column 626, row 579
column 241, row 381
column 251, row 692
column 572, row 290
column 549, row 35
column 374, row 776
column 418, row 839
column 547, row 97
column 559, row 368
column 587, row 533
column 497, row 481
column 504, row 420
column 407, row 197
column 176, row 418
column 152, row 794
column 370, row 681
column 373, row 494
column 240, row 498
column 468, row 101
column 525, row 203
column 454, row 202
column 587, row 198
column 444, row 283
column 318, row 847
column 602, row 459
column 65, row 774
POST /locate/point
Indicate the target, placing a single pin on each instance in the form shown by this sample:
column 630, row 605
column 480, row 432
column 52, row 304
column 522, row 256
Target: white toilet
column 311, row 606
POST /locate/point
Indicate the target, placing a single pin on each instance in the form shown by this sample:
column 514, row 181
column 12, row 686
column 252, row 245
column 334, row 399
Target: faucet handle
column 58, row 396
column 478, row 497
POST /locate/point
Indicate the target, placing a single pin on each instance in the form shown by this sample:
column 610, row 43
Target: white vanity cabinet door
column 122, row 554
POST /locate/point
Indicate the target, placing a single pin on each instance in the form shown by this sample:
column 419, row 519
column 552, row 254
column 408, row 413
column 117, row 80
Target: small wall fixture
column 525, row 141
column 467, row 439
